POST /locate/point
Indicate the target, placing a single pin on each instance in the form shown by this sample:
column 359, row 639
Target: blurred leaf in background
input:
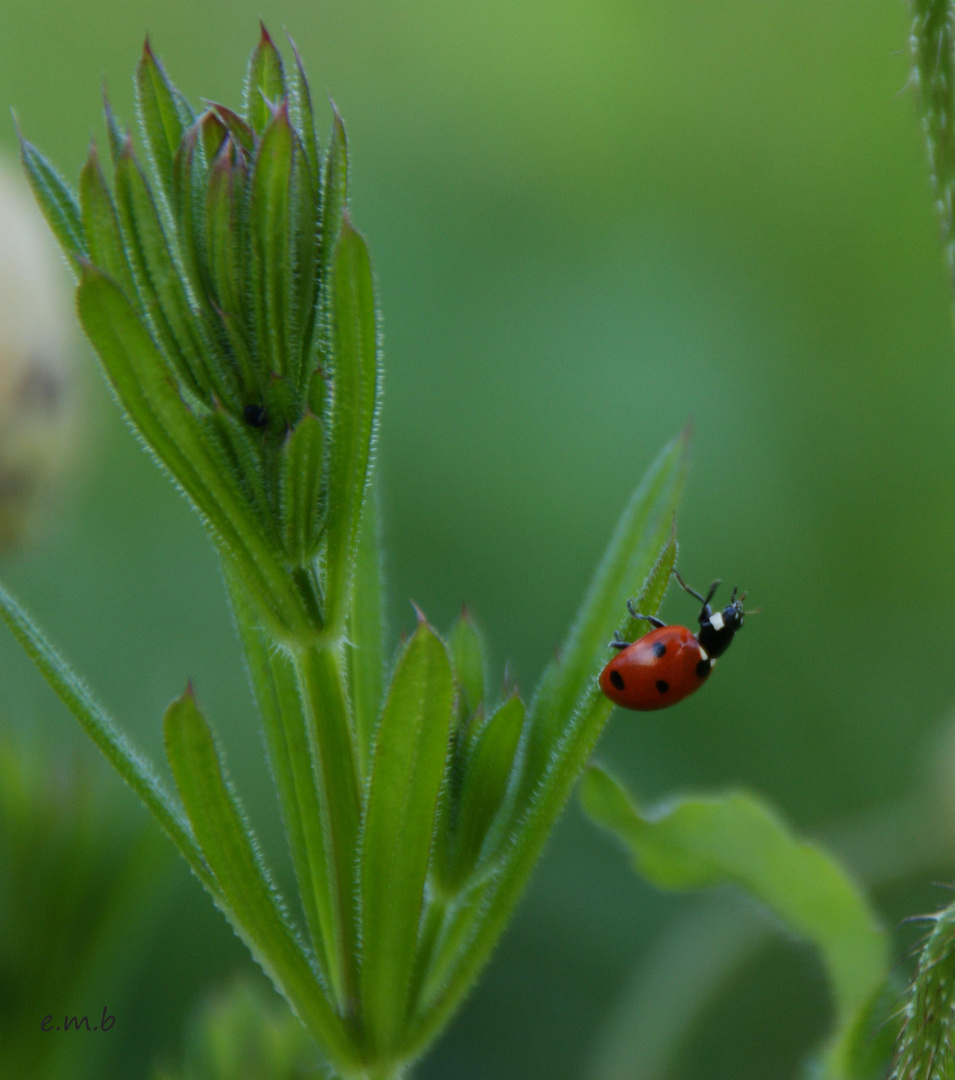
column 80, row 888
column 245, row 1032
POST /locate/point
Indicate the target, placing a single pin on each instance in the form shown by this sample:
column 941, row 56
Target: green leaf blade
column 138, row 375
column 264, row 83
column 269, row 269
column 488, row 768
column 158, row 282
column 334, row 195
column 101, row 225
column 254, row 905
column 736, row 839
column 302, row 465
column 59, row 205
column 365, row 634
column 406, row 775
column 470, row 666
column 303, row 115
column 102, row 731
column 161, row 119
column 628, row 560
column 563, row 743
column 356, row 379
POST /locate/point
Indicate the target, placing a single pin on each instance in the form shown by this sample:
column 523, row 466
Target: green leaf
column 334, row 195
column 237, row 128
column 57, row 202
column 243, row 455
column 162, row 118
column 303, row 215
column 226, row 237
column 101, row 225
column 467, row 660
column 354, row 404
column 639, row 541
column 102, row 730
column 264, row 82
column 269, row 269
column 139, row 378
column 736, row 839
column 118, row 137
column 487, row 771
column 638, row 538
column 568, row 687
column 302, row 465
column 212, row 134
column 303, row 116
column 406, row 774
column 365, row 634
column 254, row 906
column 189, row 181
column 159, row 281
column 273, row 679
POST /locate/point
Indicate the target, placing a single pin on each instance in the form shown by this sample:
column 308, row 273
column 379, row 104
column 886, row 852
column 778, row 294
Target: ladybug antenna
column 753, row 611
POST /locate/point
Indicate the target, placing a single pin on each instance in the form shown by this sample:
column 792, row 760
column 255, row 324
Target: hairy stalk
column 926, row 1047
column 933, row 72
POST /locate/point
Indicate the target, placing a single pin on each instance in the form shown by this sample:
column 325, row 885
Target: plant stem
column 321, row 680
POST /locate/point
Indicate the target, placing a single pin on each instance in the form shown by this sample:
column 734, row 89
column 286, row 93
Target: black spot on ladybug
column 659, row 649
column 703, row 669
column 256, row 416
column 662, row 686
column 616, row 679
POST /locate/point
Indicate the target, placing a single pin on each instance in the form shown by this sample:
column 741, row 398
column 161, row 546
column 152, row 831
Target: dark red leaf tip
column 265, row 40
column 190, row 690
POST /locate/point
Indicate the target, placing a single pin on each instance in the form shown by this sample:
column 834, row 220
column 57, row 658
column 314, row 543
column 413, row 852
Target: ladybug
column 670, row 662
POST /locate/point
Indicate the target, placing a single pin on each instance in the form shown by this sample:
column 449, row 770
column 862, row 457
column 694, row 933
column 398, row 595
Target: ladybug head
column 717, row 628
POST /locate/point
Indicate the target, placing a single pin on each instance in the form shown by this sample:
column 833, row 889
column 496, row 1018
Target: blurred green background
column 590, row 222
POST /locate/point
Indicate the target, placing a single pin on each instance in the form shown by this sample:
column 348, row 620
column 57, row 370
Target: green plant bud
column 237, row 127
column 37, row 412
column 486, row 770
column 302, row 512
column 221, row 254
column 163, row 117
column 212, row 133
column 243, row 452
column 264, row 82
column 467, row 658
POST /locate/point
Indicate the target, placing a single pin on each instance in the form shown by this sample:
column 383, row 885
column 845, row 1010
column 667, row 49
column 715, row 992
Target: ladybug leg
column 618, row 642
column 656, row 623
column 702, row 599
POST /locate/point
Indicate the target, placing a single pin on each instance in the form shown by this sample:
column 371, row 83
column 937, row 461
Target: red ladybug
column 670, row 662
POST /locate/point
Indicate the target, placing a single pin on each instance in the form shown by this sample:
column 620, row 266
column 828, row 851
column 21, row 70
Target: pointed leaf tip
column 419, row 614
column 265, row 38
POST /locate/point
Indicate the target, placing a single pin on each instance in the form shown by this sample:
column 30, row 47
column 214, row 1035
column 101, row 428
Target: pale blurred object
column 37, row 388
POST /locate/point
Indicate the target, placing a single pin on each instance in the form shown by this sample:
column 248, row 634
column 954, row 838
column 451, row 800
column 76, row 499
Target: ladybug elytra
column 671, row 662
